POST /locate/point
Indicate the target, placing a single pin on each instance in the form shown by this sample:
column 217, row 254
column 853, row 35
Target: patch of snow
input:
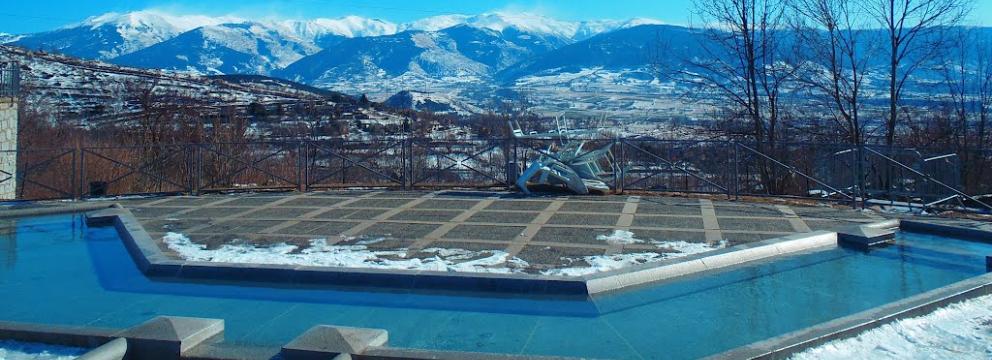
column 688, row 248
column 10, row 350
column 620, row 237
column 600, row 263
column 320, row 253
column 959, row 331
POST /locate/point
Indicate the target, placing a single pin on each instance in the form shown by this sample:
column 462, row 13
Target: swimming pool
column 57, row 270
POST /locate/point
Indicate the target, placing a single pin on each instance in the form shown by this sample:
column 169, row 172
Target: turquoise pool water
column 56, row 270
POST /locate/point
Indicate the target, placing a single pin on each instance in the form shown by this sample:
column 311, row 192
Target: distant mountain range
column 464, row 59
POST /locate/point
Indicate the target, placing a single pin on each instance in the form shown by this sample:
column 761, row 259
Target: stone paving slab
column 546, row 231
column 485, row 232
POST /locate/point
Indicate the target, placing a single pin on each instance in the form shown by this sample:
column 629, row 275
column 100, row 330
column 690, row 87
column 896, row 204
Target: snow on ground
column 959, row 331
column 320, row 253
column 358, row 255
column 600, row 263
column 10, row 350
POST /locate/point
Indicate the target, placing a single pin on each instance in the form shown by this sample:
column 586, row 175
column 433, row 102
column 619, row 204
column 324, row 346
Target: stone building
column 8, row 131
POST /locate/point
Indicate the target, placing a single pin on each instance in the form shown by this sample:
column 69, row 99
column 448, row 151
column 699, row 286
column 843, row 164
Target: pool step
column 866, row 237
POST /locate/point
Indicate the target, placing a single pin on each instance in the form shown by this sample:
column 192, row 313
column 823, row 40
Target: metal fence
column 828, row 172
column 10, row 79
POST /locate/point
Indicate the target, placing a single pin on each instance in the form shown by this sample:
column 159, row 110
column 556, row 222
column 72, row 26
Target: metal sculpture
column 567, row 163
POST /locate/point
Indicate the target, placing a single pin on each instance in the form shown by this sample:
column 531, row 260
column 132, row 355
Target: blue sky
column 22, row 16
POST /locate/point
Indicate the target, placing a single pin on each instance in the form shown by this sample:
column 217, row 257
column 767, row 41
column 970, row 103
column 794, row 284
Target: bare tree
column 836, row 49
column 745, row 62
column 915, row 32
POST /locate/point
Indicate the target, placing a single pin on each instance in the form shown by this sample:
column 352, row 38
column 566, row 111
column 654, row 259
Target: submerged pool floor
column 56, row 270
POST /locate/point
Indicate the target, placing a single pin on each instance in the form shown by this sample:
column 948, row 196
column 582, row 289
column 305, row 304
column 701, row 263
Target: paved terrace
column 546, row 232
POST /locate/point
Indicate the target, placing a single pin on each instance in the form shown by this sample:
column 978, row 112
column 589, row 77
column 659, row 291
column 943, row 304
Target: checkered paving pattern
column 539, row 230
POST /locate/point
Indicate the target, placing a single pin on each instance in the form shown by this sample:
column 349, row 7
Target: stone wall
column 8, row 143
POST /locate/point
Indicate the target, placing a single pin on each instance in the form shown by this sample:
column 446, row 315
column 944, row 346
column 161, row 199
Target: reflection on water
column 8, row 243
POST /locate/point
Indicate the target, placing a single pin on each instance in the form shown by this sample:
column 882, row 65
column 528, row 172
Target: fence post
column 407, row 167
column 620, row 163
column 857, row 186
column 300, row 186
column 72, row 179
column 737, row 170
column 82, row 171
column 197, row 168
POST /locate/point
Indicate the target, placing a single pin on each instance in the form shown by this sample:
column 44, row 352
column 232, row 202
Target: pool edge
column 152, row 261
column 784, row 346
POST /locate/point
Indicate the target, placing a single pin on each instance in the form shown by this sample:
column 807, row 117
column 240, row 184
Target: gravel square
column 519, row 205
column 313, row 202
column 379, row 203
column 650, row 208
column 669, row 235
column 378, row 243
column 828, row 213
column 571, row 235
column 192, row 201
column 747, row 211
column 742, row 238
column 213, row 212
column 253, row 201
column 584, row 219
column 594, row 207
column 668, row 222
column 240, row 227
column 399, row 230
column 446, row 204
column 426, row 215
column 350, row 214
column 318, row 228
column 485, row 232
column 153, row 212
column 755, row 225
column 341, row 193
column 470, row 246
column 503, row 217
column 278, row 213
column 172, row 225
column 216, row 241
column 817, row 225
column 557, row 256
column 400, row 194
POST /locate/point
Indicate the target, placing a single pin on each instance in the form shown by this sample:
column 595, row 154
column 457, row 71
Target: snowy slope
column 95, row 90
column 244, row 48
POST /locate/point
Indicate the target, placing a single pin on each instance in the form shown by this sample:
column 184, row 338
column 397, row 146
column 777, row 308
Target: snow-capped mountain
column 416, row 59
column 111, row 35
column 628, row 48
column 458, row 60
column 6, row 38
column 242, row 48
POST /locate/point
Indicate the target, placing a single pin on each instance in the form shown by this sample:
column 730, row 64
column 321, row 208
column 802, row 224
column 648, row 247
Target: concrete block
column 326, row 342
column 167, row 337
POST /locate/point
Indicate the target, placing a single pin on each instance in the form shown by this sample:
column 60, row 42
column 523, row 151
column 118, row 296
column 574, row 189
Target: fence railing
column 830, row 172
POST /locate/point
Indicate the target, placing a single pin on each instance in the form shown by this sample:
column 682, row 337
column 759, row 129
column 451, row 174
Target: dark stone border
column 784, row 346
column 16, row 212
